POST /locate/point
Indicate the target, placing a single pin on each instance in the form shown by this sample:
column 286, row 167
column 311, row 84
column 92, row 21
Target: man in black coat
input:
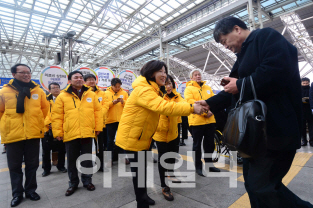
column 307, row 114
column 272, row 62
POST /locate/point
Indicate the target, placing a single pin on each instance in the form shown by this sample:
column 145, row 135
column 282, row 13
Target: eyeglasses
column 55, row 88
column 90, row 80
column 24, row 73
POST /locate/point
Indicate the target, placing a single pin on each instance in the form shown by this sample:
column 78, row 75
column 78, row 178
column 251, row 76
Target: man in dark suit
column 307, row 114
column 272, row 62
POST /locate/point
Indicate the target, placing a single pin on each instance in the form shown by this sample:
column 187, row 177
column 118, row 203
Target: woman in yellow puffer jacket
column 166, row 137
column 140, row 119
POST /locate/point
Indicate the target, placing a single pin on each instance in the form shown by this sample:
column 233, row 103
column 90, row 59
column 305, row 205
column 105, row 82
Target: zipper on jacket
column 74, row 102
column 200, row 94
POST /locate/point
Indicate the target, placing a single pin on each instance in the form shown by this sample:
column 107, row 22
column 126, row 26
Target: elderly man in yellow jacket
column 76, row 119
column 91, row 81
column 117, row 98
column 23, row 108
column 202, row 126
column 49, row 142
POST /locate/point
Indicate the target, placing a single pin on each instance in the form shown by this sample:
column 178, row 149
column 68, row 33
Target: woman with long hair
column 167, row 139
column 140, row 119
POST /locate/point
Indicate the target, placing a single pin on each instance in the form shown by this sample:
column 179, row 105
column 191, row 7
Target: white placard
column 105, row 75
column 127, row 77
column 53, row 74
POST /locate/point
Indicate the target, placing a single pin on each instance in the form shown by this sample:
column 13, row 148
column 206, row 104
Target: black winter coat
column 307, row 113
column 273, row 64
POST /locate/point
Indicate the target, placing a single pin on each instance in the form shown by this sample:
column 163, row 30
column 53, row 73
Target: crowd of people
column 71, row 120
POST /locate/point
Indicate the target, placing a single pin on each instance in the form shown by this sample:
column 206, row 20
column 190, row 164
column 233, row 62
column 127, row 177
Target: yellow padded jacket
column 48, row 117
column 195, row 92
column 74, row 118
column 103, row 100
column 140, row 117
column 15, row 127
column 167, row 129
column 115, row 111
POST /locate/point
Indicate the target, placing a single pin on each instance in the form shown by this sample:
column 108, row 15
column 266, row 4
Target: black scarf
column 171, row 95
column 24, row 90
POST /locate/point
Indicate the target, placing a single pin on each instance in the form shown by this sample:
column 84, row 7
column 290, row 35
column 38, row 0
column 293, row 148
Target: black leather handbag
column 245, row 129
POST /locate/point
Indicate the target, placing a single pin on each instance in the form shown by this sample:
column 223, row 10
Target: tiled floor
column 209, row 192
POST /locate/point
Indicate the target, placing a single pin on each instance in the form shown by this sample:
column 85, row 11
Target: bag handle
column 241, row 92
column 253, row 89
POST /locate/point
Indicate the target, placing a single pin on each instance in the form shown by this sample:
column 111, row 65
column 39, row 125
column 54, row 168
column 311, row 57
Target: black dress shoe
column 70, row 191
column 16, row 201
column 63, row 170
column 90, row 187
column 148, row 200
column 33, row 196
column 304, row 143
column 199, row 172
column 182, row 144
column 45, row 173
column 214, row 169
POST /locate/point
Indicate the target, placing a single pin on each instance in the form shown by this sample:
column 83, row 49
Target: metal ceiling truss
column 300, row 37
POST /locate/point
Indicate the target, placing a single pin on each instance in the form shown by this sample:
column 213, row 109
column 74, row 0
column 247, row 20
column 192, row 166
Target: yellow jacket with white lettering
column 15, row 127
column 74, row 118
column 103, row 100
column 167, row 128
column 140, row 117
column 195, row 92
column 115, row 111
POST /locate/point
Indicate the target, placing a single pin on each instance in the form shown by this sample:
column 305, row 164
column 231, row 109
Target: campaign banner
column 216, row 91
column 181, row 88
column 53, row 74
column 86, row 70
column 4, row 80
column 127, row 77
column 176, row 86
column 105, row 75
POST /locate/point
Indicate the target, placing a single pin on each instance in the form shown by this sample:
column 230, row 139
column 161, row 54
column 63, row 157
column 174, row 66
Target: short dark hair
column 74, row 72
column 87, row 76
column 115, row 81
column 305, row 79
column 226, row 25
column 150, row 67
column 13, row 68
column 53, row 83
column 169, row 77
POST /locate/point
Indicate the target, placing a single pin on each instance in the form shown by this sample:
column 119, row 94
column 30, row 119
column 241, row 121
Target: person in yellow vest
column 23, row 108
column 166, row 137
column 76, row 119
column 101, row 143
column 202, row 126
column 49, row 142
column 117, row 98
column 140, row 120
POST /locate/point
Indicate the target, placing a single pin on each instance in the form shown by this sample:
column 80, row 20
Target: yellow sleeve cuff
column 191, row 108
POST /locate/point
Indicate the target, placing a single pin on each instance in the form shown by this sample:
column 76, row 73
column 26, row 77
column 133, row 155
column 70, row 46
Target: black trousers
column 111, row 130
column 178, row 137
column 263, row 181
column 310, row 127
column 185, row 128
column 102, row 145
column 74, row 149
column 140, row 192
column 203, row 133
column 163, row 148
column 29, row 149
column 48, row 145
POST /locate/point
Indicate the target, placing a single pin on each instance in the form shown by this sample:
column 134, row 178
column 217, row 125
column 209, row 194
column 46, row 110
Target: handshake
column 201, row 107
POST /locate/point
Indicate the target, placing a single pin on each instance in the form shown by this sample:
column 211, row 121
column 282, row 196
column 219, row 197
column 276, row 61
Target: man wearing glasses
column 49, row 142
column 23, row 108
